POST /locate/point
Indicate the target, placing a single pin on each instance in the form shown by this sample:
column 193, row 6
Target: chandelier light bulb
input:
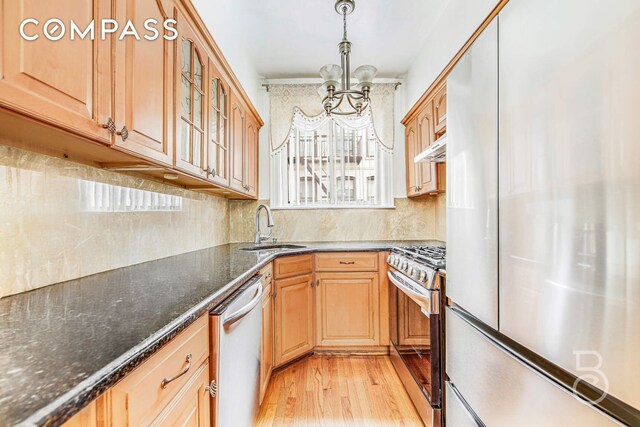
column 331, row 74
column 365, row 75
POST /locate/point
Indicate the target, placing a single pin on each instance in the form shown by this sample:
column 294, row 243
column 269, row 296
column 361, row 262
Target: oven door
column 415, row 333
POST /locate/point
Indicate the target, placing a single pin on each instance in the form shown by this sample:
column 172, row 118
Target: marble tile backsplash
column 61, row 220
column 419, row 219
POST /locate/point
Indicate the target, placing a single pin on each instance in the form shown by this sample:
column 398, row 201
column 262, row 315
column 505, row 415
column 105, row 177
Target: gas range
column 419, row 263
column 414, row 299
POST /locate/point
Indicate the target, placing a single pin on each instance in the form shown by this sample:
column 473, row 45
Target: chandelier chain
column 344, row 22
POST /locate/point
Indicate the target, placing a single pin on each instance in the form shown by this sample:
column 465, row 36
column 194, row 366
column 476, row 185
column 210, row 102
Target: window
column 101, row 197
column 371, row 188
column 347, row 188
column 331, row 162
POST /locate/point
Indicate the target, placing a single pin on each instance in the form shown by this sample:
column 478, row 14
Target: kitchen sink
column 273, row 247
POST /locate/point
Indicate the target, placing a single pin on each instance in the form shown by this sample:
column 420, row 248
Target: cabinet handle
column 165, row 382
column 212, row 388
column 211, row 172
column 110, row 126
column 274, row 294
column 347, row 262
column 318, row 283
column 124, row 133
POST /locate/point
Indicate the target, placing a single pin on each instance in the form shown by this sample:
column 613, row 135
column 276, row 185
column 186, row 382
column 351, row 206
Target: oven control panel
column 416, row 271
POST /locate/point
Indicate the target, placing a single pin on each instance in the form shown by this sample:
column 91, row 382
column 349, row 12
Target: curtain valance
column 298, row 105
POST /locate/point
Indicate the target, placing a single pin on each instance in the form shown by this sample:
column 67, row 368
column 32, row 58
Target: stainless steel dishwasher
column 240, row 330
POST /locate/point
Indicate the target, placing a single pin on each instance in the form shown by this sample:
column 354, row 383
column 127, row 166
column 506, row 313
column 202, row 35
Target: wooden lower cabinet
column 191, row 406
column 347, row 261
column 266, row 348
column 87, row 417
column 348, row 309
column 145, row 397
column 294, row 320
column 290, row 266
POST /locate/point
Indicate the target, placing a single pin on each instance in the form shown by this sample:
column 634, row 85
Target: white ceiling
column 294, row 38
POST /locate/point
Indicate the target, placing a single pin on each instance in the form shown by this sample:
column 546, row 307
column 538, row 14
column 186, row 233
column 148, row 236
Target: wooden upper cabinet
column 191, row 106
column 348, row 309
column 218, row 132
column 440, row 112
column 66, row 83
column 294, row 318
column 251, row 158
column 144, row 84
column 427, row 172
column 427, row 125
column 238, row 146
column 411, row 142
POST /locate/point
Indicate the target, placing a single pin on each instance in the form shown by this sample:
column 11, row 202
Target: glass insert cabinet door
column 190, row 154
column 217, row 150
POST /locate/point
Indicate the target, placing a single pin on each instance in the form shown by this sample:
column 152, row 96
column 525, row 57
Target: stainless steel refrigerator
column 543, row 218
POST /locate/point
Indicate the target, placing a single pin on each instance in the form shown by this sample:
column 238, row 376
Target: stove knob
column 422, row 276
column 403, row 265
column 410, row 271
column 390, row 259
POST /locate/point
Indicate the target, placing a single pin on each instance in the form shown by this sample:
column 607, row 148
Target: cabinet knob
column 213, row 388
column 110, row 126
column 124, row 133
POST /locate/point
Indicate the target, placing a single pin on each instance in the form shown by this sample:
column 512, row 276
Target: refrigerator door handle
column 243, row 311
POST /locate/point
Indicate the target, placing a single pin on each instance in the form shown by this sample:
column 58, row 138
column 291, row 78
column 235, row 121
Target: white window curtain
column 330, row 161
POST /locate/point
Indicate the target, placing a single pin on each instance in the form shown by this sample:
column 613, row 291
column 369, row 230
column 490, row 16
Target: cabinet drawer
column 140, row 397
column 293, row 266
column 347, row 261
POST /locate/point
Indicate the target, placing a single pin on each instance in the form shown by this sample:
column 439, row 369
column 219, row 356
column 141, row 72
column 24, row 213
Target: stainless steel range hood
column 436, row 152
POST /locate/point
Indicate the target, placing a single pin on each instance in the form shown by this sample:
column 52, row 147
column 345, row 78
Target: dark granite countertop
column 63, row 345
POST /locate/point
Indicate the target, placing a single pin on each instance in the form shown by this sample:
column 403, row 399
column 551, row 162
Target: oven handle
column 429, row 303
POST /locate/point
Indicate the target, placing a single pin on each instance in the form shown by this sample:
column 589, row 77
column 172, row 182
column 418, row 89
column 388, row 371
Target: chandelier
column 334, row 97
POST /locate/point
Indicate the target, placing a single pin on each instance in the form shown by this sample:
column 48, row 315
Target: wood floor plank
column 336, row 391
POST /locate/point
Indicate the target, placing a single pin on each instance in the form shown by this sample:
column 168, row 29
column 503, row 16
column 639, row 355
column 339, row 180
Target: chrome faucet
column 259, row 237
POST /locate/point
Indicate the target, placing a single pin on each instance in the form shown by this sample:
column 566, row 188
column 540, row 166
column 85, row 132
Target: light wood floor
column 335, row 391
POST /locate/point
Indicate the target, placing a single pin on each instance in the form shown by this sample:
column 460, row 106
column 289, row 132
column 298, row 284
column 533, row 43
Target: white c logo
column 24, row 24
